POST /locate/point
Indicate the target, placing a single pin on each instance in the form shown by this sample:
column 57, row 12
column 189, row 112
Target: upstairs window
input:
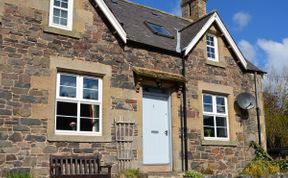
column 61, row 14
column 78, row 105
column 215, row 117
column 212, row 47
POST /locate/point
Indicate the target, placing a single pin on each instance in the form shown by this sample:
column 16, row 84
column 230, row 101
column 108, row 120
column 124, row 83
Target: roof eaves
column 215, row 18
column 211, row 13
column 112, row 19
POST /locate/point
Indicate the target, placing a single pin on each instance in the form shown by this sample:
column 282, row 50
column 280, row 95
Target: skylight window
column 158, row 29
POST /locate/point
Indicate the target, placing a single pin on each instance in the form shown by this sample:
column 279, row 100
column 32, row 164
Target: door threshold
column 165, row 168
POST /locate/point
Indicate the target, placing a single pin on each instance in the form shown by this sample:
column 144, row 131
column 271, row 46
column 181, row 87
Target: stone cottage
column 72, row 72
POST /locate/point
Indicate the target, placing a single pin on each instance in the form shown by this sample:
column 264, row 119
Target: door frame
column 167, row 97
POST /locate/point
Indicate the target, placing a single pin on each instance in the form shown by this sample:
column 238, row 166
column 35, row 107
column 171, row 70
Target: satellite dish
column 246, row 101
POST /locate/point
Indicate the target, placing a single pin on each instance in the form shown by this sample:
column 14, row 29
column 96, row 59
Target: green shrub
column 260, row 168
column 193, row 174
column 283, row 165
column 262, row 165
column 131, row 173
column 19, row 175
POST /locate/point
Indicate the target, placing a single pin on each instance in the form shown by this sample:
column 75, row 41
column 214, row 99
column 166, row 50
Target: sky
column 260, row 27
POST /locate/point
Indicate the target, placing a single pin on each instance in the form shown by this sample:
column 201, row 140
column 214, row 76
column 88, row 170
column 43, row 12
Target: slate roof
column 190, row 31
column 133, row 16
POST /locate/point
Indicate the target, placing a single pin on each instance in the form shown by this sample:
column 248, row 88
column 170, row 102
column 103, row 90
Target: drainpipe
column 184, row 146
column 182, row 134
column 257, row 109
column 185, row 116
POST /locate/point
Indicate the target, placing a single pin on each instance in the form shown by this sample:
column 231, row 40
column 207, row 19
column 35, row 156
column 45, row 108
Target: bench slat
column 77, row 166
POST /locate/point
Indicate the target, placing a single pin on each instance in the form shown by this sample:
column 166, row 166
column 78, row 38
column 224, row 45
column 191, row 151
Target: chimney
column 193, row 9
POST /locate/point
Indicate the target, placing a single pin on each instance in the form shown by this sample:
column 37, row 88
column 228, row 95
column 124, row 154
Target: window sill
column 214, row 63
column 59, row 31
column 77, row 138
column 218, row 143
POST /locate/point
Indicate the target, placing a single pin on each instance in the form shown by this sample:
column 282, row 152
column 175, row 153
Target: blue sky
column 258, row 26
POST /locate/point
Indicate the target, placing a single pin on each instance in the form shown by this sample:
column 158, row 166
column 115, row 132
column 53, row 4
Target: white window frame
column 69, row 15
column 215, row 114
column 216, row 59
column 79, row 100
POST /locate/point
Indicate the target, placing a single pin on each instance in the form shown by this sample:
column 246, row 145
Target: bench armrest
column 108, row 167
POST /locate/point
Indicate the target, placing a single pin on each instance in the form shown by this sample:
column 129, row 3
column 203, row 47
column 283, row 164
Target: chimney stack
column 193, row 9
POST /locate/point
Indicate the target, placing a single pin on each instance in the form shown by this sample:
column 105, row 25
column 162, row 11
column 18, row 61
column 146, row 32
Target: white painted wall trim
column 112, row 19
column 216, row 18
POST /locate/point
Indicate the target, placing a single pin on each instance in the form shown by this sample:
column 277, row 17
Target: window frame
column 215, row 114
column 215, row 47
column 69, row 15
column 79, row 100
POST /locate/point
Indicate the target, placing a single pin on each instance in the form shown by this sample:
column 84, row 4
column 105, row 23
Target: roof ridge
column 210, row 13
column 160, row 11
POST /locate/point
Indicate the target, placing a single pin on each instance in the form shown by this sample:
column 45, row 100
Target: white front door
column 156, row 147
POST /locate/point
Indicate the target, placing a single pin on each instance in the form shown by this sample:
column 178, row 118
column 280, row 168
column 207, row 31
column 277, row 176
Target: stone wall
column 28, row 53
column 27, row 47
column 228, row 78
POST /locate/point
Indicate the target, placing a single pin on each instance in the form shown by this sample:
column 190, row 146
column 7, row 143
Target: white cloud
column 241, row 20
column 248, row 50
column 277, row 54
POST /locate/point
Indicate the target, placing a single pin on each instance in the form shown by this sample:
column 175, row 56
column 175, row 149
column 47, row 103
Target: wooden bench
column 78, row 167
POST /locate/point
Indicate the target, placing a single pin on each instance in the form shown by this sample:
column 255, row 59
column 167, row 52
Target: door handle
column 166, row 132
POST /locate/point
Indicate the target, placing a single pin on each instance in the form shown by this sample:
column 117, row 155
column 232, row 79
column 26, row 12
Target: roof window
column 158, row 29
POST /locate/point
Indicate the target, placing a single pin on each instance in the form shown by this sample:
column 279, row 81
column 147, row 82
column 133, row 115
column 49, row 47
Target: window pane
column 90, row 83
column 209, row 121
column 56, row 20
column 220, row 105
column 66, row 123
column 209, row 132
column 56, row 3
column 66, row 109
column 222, row 132
column 221, row 121
column 56, row 12
column 221, row 109
column 63, row 21
column 67, row 91
column 64, row 14
column 68, row 80
column 89, row 125
column 220, row 100
column 207, row 99
column 90, row 94
column 88, row 110
column 64, row 4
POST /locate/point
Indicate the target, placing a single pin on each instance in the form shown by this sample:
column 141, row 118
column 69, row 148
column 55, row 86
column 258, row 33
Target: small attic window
column 158, row 29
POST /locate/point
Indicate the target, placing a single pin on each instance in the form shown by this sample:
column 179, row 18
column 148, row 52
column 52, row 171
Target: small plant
column 19, row 175
column 130, row 173
column 193, row 174
column 260, row 168
column 262, row 165
column 283, row 164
